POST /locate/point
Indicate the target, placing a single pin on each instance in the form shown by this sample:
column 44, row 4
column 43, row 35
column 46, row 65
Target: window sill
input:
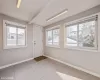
column 81, row 49
column 14, row 47
column 53, row 46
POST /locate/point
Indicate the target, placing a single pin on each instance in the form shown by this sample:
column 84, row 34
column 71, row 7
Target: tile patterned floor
column 43, row 70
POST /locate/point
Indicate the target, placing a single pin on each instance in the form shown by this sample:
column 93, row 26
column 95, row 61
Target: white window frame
column 5, row 34
column 82, row 48
column 48, row 45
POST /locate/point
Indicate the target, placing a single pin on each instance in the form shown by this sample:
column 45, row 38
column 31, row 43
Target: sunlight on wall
column 67, row 77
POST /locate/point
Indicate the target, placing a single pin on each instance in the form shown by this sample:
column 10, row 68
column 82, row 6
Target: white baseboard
column 2, row 67
column 76, row 67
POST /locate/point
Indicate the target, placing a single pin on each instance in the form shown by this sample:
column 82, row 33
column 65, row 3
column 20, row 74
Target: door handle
column 34, row 42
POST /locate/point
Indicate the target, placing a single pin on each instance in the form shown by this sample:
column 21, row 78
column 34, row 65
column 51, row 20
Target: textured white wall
column 85, row 59
column 15, row 55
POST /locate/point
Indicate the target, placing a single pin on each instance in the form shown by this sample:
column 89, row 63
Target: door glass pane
column 11, row 36
column 87, row 34
column 71, row 37
column 49, row 37
column 21, row 36
column 56, row 37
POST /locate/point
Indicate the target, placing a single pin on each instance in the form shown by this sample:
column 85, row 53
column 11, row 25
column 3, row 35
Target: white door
column 37, row 41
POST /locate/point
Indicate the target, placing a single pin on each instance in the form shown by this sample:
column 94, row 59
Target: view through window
column 82, row 34
column 53, row 37
column 15, row 35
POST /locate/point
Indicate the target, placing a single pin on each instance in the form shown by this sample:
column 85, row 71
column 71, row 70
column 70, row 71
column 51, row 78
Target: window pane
column 49, row 37
column 56, row 37
column 11, row 36
column 87, row 34
column 71, row 35
column 21, row 36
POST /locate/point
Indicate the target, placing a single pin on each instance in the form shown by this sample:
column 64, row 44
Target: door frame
column 34, row 40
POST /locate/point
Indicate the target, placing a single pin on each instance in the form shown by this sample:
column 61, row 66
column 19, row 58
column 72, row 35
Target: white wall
column 15, row 55
column 85, row 59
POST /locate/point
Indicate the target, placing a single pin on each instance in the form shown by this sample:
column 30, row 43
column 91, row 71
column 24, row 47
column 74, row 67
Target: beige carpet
column 43, row 70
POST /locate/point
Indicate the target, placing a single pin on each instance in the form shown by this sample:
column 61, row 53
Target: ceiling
column 38, row 11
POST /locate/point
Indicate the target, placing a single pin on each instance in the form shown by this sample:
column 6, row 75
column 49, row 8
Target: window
column 52, row 37
column 82, row 34
column 14, row 35
column 49, row 37
column 72, row 35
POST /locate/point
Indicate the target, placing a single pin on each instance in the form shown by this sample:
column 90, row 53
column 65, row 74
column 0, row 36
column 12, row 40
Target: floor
column 43, row 70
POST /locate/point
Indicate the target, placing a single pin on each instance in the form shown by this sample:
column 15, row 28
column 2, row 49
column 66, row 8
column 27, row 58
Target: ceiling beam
column 37, row 13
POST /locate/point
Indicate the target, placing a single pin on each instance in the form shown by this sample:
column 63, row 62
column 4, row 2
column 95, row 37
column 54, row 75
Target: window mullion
column 96, row 34
column 78, row 35
column 52, row 37
column 17, row 36
column 6, row 34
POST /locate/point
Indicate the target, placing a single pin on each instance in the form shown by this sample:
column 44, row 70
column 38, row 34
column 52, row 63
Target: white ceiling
column 27, row 10
column 38, row 11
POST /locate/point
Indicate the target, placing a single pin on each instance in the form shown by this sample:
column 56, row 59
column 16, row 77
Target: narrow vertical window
column 56, row 37
column 11, row 36
column 71, row 37
column 49, row 37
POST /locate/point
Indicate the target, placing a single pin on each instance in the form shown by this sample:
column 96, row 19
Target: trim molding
column 5, row 66
column 76, row 67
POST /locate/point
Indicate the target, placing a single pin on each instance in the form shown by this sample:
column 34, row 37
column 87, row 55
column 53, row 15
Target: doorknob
column 34, row 42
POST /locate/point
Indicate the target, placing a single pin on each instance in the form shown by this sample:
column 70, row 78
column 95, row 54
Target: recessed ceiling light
column 57, row 15
column 18, row 3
